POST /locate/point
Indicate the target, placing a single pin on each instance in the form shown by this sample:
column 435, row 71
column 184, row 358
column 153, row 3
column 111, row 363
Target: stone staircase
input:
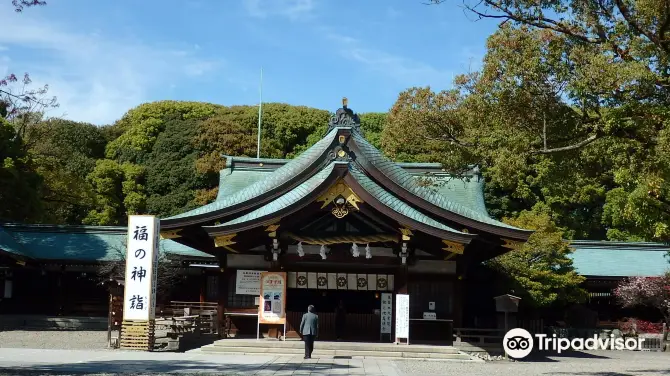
column 342, row 350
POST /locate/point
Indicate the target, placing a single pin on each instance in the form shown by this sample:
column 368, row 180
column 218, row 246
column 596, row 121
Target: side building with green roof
column 58, row 270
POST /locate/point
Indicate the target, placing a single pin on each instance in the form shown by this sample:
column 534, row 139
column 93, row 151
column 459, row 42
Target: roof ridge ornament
column 344, row 117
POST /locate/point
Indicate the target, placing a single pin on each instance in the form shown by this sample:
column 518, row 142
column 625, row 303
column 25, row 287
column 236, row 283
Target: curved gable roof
column 428, row 199
column 279, row 179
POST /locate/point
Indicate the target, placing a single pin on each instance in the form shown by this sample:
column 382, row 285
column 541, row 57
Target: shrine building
column 346, row 224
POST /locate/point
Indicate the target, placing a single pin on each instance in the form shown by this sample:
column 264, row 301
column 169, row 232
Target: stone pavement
column 116, row 361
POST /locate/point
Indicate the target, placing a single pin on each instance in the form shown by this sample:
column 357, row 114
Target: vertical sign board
column 402, row 317
column 272, row 307
column 386, row 313
column 141, row 259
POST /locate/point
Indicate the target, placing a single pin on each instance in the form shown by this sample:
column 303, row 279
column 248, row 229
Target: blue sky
column 103, row 57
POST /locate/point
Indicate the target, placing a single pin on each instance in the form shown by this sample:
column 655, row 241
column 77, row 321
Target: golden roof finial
column 345, row 102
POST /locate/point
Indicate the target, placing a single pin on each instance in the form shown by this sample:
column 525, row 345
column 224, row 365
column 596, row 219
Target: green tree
column 64, row 153
column 139, row 127
column 119, row 191
column 20, row 184
column 372, row 125
column 172, row 177
column 541, row 271
column 604, row 64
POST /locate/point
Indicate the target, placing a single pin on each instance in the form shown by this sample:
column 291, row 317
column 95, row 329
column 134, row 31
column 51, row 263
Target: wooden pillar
column 222, row 296
column 402, row 280
column 203, row 287
column 61, row 289
column 459, row 292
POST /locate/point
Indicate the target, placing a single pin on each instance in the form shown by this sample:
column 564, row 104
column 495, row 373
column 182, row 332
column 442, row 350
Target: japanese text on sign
column 141, row 260
column 386, row 313
column 272, row 308
column 402, row 316
column 248, row 282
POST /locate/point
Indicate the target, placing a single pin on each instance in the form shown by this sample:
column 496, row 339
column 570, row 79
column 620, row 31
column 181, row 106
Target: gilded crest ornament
column 342, row 197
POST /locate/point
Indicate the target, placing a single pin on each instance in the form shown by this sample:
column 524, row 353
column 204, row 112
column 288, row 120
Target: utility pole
column 260, row 113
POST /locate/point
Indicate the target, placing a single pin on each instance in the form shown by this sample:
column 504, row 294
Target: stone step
column 351, row 346
column 399, row 354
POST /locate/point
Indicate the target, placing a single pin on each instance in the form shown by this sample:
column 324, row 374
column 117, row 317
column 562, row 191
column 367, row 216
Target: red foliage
column 635, row 326
column 649, row 327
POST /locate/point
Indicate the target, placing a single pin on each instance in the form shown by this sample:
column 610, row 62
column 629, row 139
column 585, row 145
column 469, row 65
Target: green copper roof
column 270, row 182
column 317, row 180
column 467, row 192
column 232, row 181
column 286, row 199
column 81, row 243
column 396, row 204
column 620, row 259
column 9, row 244
column 410, row 183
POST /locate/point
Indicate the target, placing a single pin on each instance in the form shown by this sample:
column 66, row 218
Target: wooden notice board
column 272, row 307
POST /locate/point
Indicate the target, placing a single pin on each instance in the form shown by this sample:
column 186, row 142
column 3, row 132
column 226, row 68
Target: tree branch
column 578, row 145
column 20, row 4
column 630, row 19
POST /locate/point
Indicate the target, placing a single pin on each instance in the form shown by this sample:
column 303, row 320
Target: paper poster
column 273, row 296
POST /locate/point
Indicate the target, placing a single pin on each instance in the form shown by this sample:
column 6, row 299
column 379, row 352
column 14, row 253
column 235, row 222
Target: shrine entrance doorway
column 361, row 313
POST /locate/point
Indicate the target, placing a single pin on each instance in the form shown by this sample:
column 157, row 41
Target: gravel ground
column 56, row 339
column 601, row 363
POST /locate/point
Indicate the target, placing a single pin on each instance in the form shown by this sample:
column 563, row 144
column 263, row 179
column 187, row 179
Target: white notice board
column 386, row 313
column 402, row 317
column 248, row 282
column 141, row 259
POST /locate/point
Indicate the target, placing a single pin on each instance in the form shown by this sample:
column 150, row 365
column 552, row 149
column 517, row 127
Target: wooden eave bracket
column 170, row 234
column 453, row 247
column 225, row 241
column 511, row 244
column 406, row 233
column 272, row 230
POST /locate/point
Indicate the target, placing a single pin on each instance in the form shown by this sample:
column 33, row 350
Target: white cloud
column 96, row 78
column 399, row 68
column 4, row 66
column 292, row 9
column 200, row 68
column 407, row 71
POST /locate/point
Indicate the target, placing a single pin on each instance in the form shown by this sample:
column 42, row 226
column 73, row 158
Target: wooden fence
column 207, row 313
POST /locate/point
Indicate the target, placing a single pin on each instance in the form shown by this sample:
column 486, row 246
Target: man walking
column 309, row 328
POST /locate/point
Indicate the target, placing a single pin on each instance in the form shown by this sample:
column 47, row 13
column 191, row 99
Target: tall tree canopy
column 568, row 86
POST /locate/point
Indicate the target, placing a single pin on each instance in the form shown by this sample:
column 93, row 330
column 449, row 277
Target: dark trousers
column 309, row 345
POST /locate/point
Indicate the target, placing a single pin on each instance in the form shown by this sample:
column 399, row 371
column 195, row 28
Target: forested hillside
column 160, row 158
